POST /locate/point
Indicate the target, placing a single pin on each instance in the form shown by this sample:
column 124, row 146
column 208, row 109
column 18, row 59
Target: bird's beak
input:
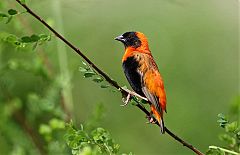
column 120, row 38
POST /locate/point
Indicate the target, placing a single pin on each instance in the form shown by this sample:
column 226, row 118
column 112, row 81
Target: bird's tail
column 159, row 117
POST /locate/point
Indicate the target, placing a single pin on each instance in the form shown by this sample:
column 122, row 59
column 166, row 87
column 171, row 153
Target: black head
column 129, row 39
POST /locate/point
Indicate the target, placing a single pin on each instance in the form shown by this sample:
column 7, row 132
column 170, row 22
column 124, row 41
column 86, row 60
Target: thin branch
column 106, row 77
column 224, row 150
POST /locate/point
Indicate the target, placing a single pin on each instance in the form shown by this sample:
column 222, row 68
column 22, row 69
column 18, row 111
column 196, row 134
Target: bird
column 143, row 74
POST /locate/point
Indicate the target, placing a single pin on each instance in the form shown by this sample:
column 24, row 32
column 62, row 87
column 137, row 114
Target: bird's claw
column 126, row 100
column 150, row 119
column 133, row 93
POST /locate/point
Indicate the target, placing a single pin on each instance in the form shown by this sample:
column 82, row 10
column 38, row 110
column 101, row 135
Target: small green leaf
column 231, row 127
column 34, row 38
column 227, row 138
column 98, row 79
column 12, row 12
column 3, row 15
column 44, row 37
column 81, row 69
column 105, row 86
column 214, row 152
column 26, row 39
column 222, row 116
column 89, row 74
column 113, row 90
column 11, row 38
column 17, row 43
column 84, row 63
column 222, row 120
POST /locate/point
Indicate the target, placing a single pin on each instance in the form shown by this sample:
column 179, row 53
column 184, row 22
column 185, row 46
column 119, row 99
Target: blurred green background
column 195, row 44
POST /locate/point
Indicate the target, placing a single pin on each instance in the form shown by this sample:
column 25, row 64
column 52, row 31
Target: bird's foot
column 151, row 119
column 132, row 93
column 126, row 100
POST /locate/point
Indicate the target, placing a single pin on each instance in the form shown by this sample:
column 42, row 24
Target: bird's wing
column 152, row 84
column 150, row 88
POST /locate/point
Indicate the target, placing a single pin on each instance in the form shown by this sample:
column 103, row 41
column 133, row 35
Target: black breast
column 130, row 66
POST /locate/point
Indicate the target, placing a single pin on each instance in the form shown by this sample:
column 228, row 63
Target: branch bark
column 106, row 77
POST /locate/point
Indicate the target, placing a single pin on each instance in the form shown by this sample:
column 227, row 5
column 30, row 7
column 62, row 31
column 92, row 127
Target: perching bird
column 142, row 73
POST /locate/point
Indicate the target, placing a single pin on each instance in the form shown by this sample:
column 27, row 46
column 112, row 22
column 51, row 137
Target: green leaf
column 98, row 79
column 11, row 38
column 12, row 12
column 105, row 86
column 75, row 138
column 84, row 63
column 3, row 15
column 214, row 152
column 17, row 43
column 100, row 135
column 81, row 69
column 222, row 120
column 228, row 139
column 231, row 127
column 44, row 37
column 222, row 116
column 89, row 74
column 34, row 38
column 26, row 39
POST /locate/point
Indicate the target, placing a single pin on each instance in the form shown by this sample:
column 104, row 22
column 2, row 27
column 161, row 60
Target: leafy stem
column 224, row 150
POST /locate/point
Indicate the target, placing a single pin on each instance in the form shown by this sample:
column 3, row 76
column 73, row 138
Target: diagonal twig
column 106, row 77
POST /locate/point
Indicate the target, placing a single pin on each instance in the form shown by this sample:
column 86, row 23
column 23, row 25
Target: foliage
column 32, row 110
column 231, row 137
column 36, row 116
column 98, row 141
column 9, row 15
column 21, row 42
column 91, row 73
